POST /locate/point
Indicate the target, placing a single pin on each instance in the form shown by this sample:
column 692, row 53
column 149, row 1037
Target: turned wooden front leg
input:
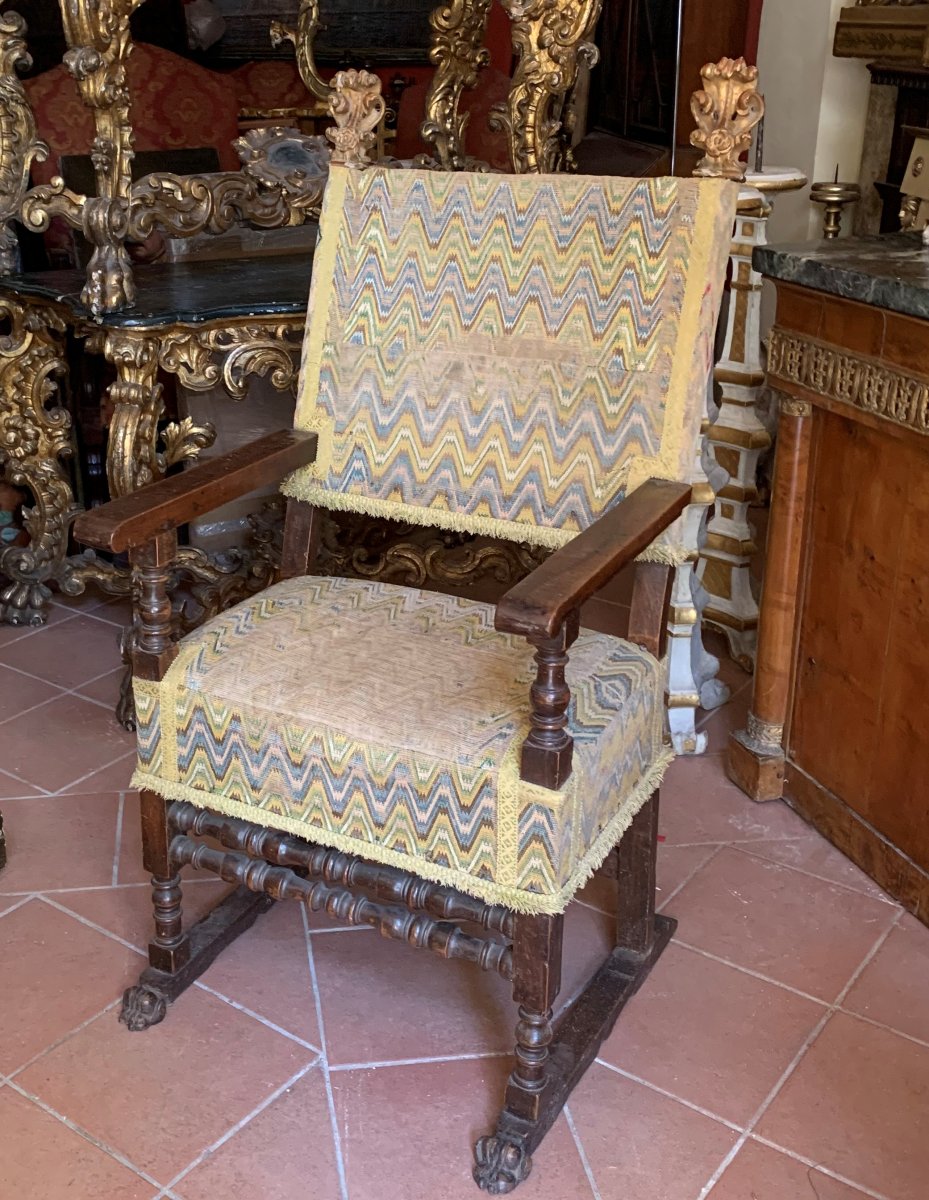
column 757, row 754
column 548, row 749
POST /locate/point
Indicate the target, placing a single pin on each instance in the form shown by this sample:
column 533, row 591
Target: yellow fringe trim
column 317, row 313
column 299, row 487
column 491, row 893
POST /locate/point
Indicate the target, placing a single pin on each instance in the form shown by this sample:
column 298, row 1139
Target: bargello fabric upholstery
column 508, row 355
column 387, row 721
column 495, row 354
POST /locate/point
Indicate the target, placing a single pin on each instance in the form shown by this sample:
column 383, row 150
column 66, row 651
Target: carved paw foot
column 500, row 1165
column 142, row 1008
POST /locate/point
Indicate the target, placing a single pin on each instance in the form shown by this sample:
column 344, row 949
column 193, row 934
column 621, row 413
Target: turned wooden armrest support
column 545, row 608
column 538, row 605
column 141, row 516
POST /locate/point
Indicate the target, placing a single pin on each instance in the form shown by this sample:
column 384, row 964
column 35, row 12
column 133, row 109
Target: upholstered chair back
column 501, row 356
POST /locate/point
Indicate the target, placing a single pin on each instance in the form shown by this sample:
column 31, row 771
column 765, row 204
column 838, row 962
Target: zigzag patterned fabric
column 387, row 722
column 508, row 355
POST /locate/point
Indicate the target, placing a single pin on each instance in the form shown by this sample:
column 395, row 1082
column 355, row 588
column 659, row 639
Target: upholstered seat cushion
column 387, row 721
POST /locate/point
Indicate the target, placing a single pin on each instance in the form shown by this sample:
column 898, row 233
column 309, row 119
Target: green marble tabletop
column 889, row 271
column 185, row 292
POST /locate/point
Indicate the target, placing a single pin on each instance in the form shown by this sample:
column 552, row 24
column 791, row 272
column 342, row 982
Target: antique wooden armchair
column 522, row 355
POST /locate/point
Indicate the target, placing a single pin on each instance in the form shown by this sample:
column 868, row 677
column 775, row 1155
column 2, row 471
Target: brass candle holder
column 834, row 197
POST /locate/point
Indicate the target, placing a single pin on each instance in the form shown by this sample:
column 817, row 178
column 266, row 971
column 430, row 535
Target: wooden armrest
column 135, row 519
column 539, row 604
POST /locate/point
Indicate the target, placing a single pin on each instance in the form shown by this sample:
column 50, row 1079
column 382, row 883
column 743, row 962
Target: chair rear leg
column 503, row 1159
column 636, row 871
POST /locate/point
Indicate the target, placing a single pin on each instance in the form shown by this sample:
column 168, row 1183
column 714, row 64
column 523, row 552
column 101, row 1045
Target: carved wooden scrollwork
column 35, row 435
column 458, row 55
column 552, row 42
column 98, row 37
column 19, row 145
column 302, row 39
column 726, row 110
column 228, row 355
column 186, row 205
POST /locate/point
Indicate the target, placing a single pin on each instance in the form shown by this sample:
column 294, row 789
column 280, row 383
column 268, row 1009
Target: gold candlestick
column 834, row 197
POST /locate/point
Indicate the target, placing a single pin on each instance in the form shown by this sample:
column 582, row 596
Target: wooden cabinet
column 840, row 712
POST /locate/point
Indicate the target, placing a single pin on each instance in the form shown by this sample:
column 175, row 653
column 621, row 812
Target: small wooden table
column 839, row 723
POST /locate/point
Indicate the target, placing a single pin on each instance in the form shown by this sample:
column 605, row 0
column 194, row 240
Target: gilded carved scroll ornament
column 35, row 435
column 551, row 39
column 726, row 109
column 302, row 40
column 204, row 358
column 459, row 55
column 19, row 145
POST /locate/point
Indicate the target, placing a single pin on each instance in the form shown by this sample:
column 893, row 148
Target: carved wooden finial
column 356, row 105
column 726, row 109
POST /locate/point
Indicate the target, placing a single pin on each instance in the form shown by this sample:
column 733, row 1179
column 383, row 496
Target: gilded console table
column 187, row 319
column 840, row 705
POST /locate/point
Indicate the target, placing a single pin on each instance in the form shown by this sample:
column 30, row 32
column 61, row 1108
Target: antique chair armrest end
column 133, row 520
column 538, row 605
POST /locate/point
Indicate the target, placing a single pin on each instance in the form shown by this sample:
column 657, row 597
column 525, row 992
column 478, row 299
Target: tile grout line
column 64, row 691
column 69, row 787
column 797, row 1059
column 330, row 1098
column 823, row 1170
column 197, row 983
column 727, row 962
column 710, row 713
column 857, row 1016
column 113, row 1153
column 848, row 887
column 61, row 1041
column 240, row 1125
column 16, row 779
column 18, row 904
column 582, row 1153
column 256, row 1016
column 46, row 899
column 377, row 1065
column 114, row 879
column 654, row 1087
column 93, row 887
column 696, row 871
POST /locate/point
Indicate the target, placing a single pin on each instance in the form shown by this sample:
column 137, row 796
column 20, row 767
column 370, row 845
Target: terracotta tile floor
column 779, row 1051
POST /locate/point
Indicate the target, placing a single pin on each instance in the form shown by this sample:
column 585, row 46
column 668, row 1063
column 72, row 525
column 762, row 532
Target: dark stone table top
column 890, row 271
column 186, row 293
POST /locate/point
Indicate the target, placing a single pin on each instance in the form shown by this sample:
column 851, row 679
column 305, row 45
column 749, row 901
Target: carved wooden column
column 738, row 437
column 756, row 754
column 726, row 110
